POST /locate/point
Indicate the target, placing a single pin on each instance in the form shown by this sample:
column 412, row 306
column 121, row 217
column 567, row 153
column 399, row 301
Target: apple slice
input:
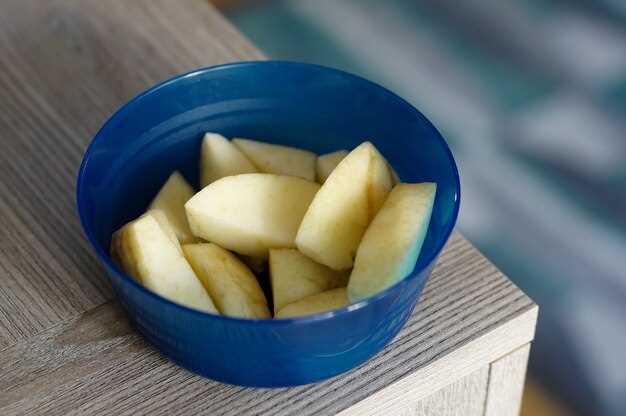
column 122, row 254
column 166, row 226
column 336, row 219
column 392, row 242
column 232, row 286
column 321, row 302
column 380, row 182
column 327, row 163
column 121, row 251
column 281, row 160
column 251, row 213
column 294, row 276
column 171, row 201
column 144, row 251
column 221, row 158
column 341, row 211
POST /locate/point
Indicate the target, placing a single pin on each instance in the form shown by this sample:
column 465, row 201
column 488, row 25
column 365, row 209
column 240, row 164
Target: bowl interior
column 300, row 105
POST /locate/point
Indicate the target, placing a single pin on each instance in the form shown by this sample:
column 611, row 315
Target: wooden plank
column 458, row 363
column 506, row 383
column 469, row 316
column 465, row 397
column 66, row 65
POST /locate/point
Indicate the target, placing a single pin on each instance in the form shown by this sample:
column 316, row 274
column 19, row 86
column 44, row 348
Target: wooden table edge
column 491, row 347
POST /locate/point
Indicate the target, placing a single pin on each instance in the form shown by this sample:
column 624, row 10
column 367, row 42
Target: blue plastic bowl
column 306, row 106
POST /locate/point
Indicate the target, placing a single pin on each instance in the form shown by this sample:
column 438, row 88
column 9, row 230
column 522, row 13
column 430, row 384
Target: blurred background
column 531, row 96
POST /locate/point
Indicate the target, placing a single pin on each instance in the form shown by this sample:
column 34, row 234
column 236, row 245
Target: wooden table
column 66, row 346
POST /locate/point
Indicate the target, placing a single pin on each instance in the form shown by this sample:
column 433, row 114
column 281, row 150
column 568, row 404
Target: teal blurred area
column 531, row 95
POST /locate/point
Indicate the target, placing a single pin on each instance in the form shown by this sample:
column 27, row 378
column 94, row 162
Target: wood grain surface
column 96, row 361
column 66, row 347
column 64, row 67
column 465, row 397
column 506, row 382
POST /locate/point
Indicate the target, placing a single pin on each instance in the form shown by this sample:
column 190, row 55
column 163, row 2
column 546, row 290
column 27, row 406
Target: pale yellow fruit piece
column 294, row 276
column 122, row 254
column 380, row 182
column 318, row 303
column 338, row 216
column 151, row 257
column 220, row 158
column 392, row 242
column 171, row 200
column 327, row 163
column 281, row 160
column 232, row 286
column 251, row 213
column 166, row 226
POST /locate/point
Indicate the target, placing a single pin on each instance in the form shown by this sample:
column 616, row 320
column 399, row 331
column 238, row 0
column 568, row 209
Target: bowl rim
column 106, row 259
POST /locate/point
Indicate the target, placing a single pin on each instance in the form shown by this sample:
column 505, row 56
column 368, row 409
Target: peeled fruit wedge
column 143, row 249
column 166, row 226
column 380, row 182
column 327, row 163
column 336, row 220
column 280, row 160
column 341, row 211
column 392, row 242
column 122, row 254
column 321, row 302
column 220, row 158
column 251, row 213
column 230, row 283
column 294, row 276
column 171, row 201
